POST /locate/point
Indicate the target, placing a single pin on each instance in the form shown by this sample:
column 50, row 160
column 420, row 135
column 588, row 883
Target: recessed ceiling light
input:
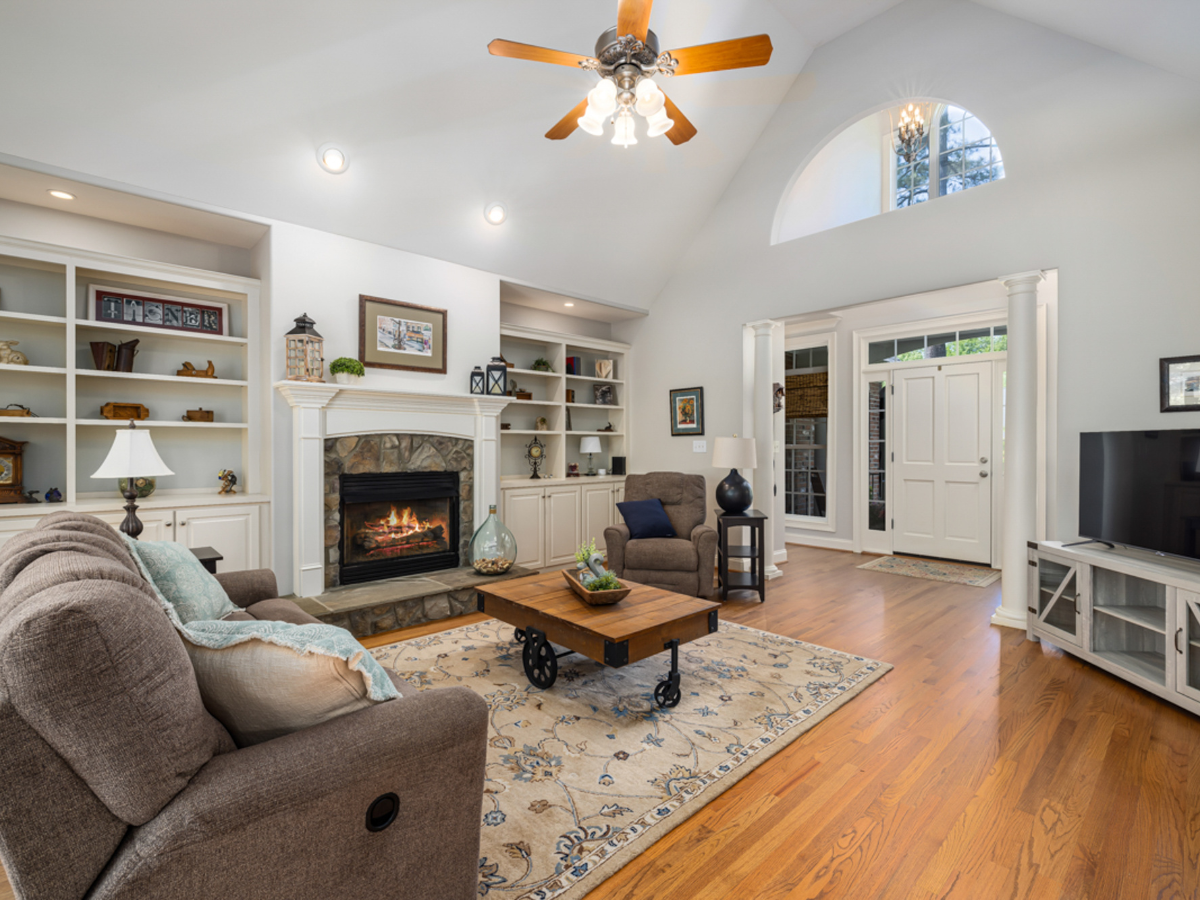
column 495, row 213
column 61, row 195
column 568, row 304
column 333, row 159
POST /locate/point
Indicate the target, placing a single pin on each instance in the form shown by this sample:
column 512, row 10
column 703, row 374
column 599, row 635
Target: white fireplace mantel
column 321, row 411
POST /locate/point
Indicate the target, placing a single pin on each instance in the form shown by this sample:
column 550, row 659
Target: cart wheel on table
column 667, row 694
column 541, row 665
column 519, row 636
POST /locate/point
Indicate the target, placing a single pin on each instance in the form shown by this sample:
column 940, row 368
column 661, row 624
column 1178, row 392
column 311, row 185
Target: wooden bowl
column 595, row 598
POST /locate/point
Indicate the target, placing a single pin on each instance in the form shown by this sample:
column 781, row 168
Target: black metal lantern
column 497, row 376
column 477, row 380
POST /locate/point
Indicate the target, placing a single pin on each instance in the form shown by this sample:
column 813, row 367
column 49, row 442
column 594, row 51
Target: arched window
column 858, row 174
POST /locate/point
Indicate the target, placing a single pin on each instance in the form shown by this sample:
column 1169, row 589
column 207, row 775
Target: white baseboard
column 780, row 556
column 820, row 541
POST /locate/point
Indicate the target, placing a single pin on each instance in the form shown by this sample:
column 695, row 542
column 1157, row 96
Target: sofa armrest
column 704, row 538
column 249, row 586
column 615, row 539
column 288, row 818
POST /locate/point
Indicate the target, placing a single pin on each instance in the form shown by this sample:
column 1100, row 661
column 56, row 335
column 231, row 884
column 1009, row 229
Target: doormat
column 584, row 776
column 931, row 570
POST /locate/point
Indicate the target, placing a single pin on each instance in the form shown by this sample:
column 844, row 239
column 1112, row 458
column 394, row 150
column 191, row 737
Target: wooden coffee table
column 545, row 611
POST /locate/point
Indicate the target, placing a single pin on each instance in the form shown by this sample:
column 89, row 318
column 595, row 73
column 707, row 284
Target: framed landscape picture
column 687, row 411
column 118, row 306
column 395, row 335
column 1179, row 384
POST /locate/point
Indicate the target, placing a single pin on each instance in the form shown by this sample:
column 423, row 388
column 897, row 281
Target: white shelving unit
column 43, row 305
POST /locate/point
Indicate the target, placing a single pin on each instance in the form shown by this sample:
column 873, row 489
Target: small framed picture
column 152, row 313
column 602, row 395
column 117, row 305
column 687, row 411
column 604, row 368
column 395, row 335
column 1179, row 384
column 133, row 310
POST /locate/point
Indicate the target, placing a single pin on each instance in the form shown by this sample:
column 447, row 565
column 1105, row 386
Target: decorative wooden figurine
column 11, row 357
column 190, row 371
column 11, row 471
column 228, row 481
column 305, row 352
column 124, row 411
column 198, row 415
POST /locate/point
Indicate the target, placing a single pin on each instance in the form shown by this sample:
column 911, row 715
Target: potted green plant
column 541, row 364
column 592, row 582
column 346, row 370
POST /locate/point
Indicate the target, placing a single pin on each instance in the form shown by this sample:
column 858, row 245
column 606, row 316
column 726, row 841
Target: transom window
column 966, row 156
column 968, row 342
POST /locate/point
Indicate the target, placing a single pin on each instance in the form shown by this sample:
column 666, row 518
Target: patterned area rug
column 930, row 570
column 583, row 777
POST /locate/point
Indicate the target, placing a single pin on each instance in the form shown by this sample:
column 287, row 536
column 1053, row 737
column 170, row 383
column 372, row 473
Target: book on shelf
column 574, row 365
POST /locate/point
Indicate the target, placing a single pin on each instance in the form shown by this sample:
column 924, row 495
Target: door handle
column 983, row 460
column 983, row 474
column 1178, row 632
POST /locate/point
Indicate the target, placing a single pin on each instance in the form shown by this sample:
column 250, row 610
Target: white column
column 764, row 435
column 308, row 484
column 1020, row 448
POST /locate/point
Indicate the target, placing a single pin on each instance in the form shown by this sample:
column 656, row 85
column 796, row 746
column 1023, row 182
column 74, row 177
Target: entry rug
column 583, row 777
column 930, row 570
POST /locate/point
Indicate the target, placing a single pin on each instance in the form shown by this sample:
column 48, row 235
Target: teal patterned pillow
column 185, row 588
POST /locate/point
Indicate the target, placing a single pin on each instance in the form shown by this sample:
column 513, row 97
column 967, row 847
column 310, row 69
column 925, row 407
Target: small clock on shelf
column 11, row 474
column 535, row 453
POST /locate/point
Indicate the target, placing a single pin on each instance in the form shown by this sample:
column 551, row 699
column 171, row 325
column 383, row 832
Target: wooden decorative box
column 198, row 415
column 595, row 598
column 124, row 411
column 15, row 412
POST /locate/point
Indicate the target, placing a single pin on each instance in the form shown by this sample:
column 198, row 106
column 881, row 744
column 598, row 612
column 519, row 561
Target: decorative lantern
column 477, row 380
column 305, row 358
column 497, row 376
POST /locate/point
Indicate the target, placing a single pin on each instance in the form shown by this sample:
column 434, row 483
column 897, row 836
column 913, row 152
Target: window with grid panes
column 966, row 156
column 806, row 438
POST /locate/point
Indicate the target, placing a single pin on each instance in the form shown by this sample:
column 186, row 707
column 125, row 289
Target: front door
column 942, row 470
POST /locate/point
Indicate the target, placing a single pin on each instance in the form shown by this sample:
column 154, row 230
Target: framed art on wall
column 1179, row 384
column 395, row 335
column 687, row 411
column 121, row 307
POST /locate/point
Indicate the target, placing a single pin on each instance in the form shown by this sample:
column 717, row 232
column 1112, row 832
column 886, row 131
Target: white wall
column 511, row 314
column 842, row 184
column 322, row 274
column 1102, row 183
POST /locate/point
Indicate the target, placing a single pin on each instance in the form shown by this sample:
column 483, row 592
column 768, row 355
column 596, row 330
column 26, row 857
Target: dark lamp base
column 734, row 494
column 132, row 525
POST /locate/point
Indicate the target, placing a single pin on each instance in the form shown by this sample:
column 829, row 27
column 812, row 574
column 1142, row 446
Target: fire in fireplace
column 398, row 524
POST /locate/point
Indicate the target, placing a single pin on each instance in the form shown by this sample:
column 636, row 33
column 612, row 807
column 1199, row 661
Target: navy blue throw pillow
column 646, row 519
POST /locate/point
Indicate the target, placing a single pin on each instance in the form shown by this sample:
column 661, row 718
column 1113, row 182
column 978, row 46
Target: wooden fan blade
column 633, row 17
column 568, row 123
column 683, row 130
column 740, row 53
column 513, row 50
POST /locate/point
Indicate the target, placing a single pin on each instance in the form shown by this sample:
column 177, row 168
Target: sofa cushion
column 661, row 555
column 266, row 679
column 181, row 582
column 280, row 610
column 646, row 519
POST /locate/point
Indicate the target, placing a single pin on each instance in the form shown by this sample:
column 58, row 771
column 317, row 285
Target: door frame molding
column 864, row 373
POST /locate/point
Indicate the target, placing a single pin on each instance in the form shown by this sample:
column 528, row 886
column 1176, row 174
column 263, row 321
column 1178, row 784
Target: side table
column 208, row 558
column 755, row 551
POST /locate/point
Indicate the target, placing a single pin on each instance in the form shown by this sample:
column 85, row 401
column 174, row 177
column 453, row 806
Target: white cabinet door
column 618, row 497
column 563, row 525
column 230, row 530
column 10, row 528
column 523, row 511
column 1187, row 644
column 157, row 524
column 597, row 512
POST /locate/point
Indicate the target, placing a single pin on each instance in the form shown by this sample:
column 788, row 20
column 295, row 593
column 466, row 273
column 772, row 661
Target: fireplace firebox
column 398, row 523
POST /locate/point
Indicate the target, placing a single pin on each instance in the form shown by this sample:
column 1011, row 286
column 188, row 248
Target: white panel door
column 563, row 525
column 942, row 471
column 597, row 512
column 523, row 511
column 230, row 530
column 157, row 524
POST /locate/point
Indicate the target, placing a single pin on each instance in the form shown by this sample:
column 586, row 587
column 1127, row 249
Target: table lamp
column 734, row 494
column 132, row 456
column 589, row 445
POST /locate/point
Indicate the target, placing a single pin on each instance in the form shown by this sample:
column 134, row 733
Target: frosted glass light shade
column 623, row 134
column 734, row 453
column 589, row 445
column 659, row 124
column 602, row 99
column 649, row 98
column 132, row 456
column 591, row 121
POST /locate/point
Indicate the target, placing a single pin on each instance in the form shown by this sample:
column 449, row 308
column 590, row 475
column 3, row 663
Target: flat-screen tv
column 1141, row 489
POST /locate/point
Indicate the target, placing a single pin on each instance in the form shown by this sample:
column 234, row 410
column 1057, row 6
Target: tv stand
column 1133, row 615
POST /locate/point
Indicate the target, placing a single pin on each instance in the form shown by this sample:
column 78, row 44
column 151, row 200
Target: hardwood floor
column 984, row 766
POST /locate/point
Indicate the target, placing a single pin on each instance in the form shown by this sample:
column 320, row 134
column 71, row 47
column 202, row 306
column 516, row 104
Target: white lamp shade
column 589, row 445
column 603, row 100
column 734, row 453
column 659, row 123
column 591, row 121
column 132, row 456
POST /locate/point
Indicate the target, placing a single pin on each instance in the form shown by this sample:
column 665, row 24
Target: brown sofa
column 118, row 784
column 683, row 564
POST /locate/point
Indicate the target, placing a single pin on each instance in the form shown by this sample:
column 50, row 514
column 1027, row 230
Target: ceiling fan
column 627, row 58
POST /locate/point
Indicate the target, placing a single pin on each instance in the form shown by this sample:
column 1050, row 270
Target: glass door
column 1187, row 644
column 1058, row 597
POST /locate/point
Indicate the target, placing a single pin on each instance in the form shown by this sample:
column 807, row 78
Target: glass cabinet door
column 1057, row 600
column 1187, row 644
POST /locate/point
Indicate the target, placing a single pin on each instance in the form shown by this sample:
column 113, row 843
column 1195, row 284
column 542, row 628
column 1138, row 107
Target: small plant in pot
column 592, row 582
column 541, row 364
column 346, row 370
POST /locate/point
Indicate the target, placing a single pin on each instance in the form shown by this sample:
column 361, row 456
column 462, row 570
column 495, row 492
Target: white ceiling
column 224, row 103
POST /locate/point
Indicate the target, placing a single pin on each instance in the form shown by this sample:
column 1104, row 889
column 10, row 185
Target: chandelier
column 910, row 132
column 626, row 67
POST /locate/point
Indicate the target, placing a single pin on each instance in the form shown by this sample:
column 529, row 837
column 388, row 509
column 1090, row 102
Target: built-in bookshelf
column 44, row 299
column 568, row 401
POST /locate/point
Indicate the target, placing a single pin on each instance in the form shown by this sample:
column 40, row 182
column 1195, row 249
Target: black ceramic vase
column 734, row 494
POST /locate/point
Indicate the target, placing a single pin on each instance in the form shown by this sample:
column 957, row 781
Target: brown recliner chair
column 119, row 785
column 683, row 564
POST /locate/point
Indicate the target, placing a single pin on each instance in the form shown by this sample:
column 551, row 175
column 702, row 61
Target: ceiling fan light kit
column 627, row 59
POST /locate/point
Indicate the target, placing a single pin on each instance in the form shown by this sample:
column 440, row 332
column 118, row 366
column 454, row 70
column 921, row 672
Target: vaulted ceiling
column 223, row 103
